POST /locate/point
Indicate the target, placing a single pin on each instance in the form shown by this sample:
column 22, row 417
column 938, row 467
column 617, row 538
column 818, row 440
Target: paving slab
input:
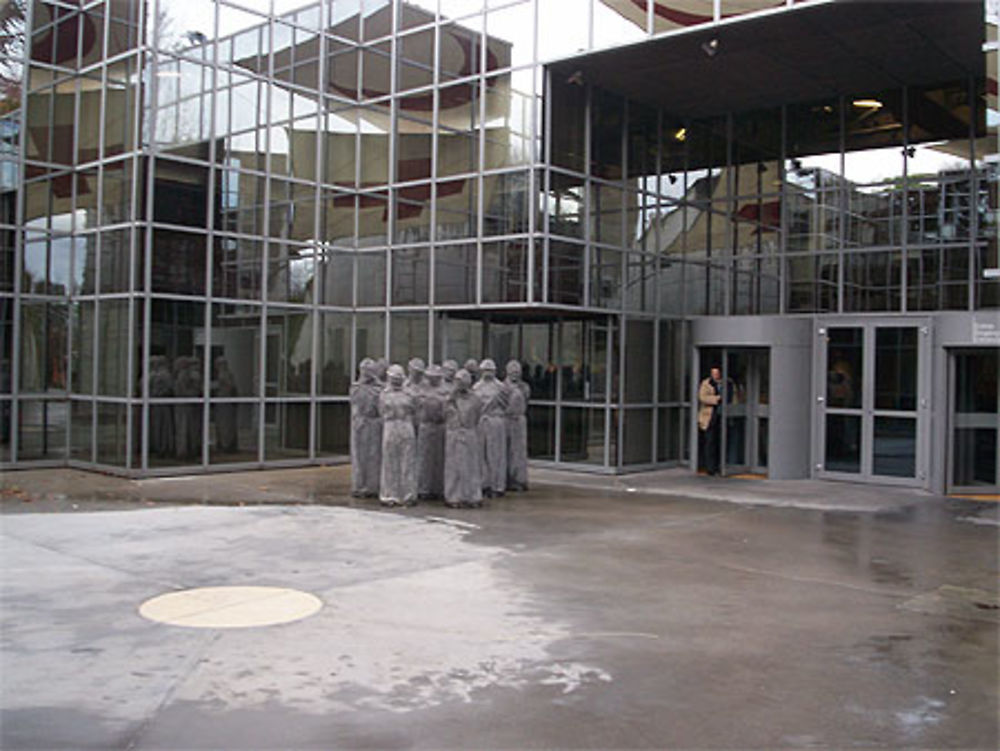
column 560, row 618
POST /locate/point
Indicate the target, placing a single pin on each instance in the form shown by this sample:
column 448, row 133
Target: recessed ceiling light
column 873, row 104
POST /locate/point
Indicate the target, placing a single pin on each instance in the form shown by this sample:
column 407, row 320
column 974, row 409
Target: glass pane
column 976, row 375
column 896, row 368
column 638, row 436
column 43, row 346
column 370, row 336
column 582, row 435
column 81, row 428
column 639, row 364
column 569, row 106
column 112, row 432
column 286, row 431
column 566, row 273
column 334, row 429
column 454, row 274
column 410, row 276
column 670, row 434
column 335, row 354
column 42, row 429
column 83, row 347
column 975, row 456
column 895, row 448
column 371, row 279
column 843, row 443
column 177, row 333
column 541, row 432
column 571, row 360
column 408, row 337
column 505, row 271
column 845, row 350
column 539, row 371
column 114, row 350
column 232, row 433
column 762, row 437
column 873, row 281
column 178, row 262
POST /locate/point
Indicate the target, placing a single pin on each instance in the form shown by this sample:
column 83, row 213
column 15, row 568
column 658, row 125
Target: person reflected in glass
column 224, row 387
column 187, row 417
column 161, row 416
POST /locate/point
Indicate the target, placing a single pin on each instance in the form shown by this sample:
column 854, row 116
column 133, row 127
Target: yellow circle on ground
column 231, row 607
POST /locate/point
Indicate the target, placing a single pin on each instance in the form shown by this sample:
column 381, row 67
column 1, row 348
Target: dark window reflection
column 896, row 368
column 638, row 436
column 976, row 381
column 844, row 370
column 843, row 443
column 975, row 456
column 542, row 432
column 178, row 262
column 582, row 435
column 333, row 428
column 569, row 109
column 895, row 447
column 566, row 273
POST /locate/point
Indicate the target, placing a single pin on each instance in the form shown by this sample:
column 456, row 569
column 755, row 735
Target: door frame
column 868, row 412
column 751, row 414
column 949, row 483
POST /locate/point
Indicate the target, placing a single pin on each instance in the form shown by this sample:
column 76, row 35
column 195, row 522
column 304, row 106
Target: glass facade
column 211, row 211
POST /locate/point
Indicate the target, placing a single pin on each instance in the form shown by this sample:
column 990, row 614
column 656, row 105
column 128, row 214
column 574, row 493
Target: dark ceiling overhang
column 806, row 52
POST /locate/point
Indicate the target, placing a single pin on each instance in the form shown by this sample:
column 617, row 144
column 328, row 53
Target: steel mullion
column 206, row 411
column 266, row 232
column 319, row 244
column 435, row 161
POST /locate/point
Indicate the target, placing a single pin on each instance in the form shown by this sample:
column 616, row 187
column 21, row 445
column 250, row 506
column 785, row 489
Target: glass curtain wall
column 226, row 204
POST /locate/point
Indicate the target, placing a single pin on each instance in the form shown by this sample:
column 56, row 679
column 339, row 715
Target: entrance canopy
column 790, row 55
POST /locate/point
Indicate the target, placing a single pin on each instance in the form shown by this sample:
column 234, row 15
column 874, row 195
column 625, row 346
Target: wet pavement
column 653, row 611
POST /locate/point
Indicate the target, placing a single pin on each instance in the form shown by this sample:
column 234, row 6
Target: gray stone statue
column 492, row 395
column 398, row 481
column 414, row 383
column 449, row 368
column 463, row 482
column 224, row 413
column 431, row 435
column 518, row 393
column 366, row 432
column 381, row 366
column 472, row 367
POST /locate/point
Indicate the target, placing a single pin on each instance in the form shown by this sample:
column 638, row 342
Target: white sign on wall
column 986, row 330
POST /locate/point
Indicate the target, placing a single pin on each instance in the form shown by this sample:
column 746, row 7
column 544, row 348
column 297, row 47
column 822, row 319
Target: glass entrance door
column 872, row 401
column 745, row 409
column 974, row 416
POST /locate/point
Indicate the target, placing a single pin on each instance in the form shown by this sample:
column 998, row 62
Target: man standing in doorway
column 709, row 397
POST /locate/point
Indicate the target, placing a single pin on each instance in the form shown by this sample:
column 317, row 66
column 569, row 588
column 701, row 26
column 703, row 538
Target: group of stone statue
column 175, row 429
column 438, row 432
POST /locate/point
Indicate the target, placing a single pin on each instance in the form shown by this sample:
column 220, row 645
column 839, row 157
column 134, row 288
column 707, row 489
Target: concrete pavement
column 565, row 617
